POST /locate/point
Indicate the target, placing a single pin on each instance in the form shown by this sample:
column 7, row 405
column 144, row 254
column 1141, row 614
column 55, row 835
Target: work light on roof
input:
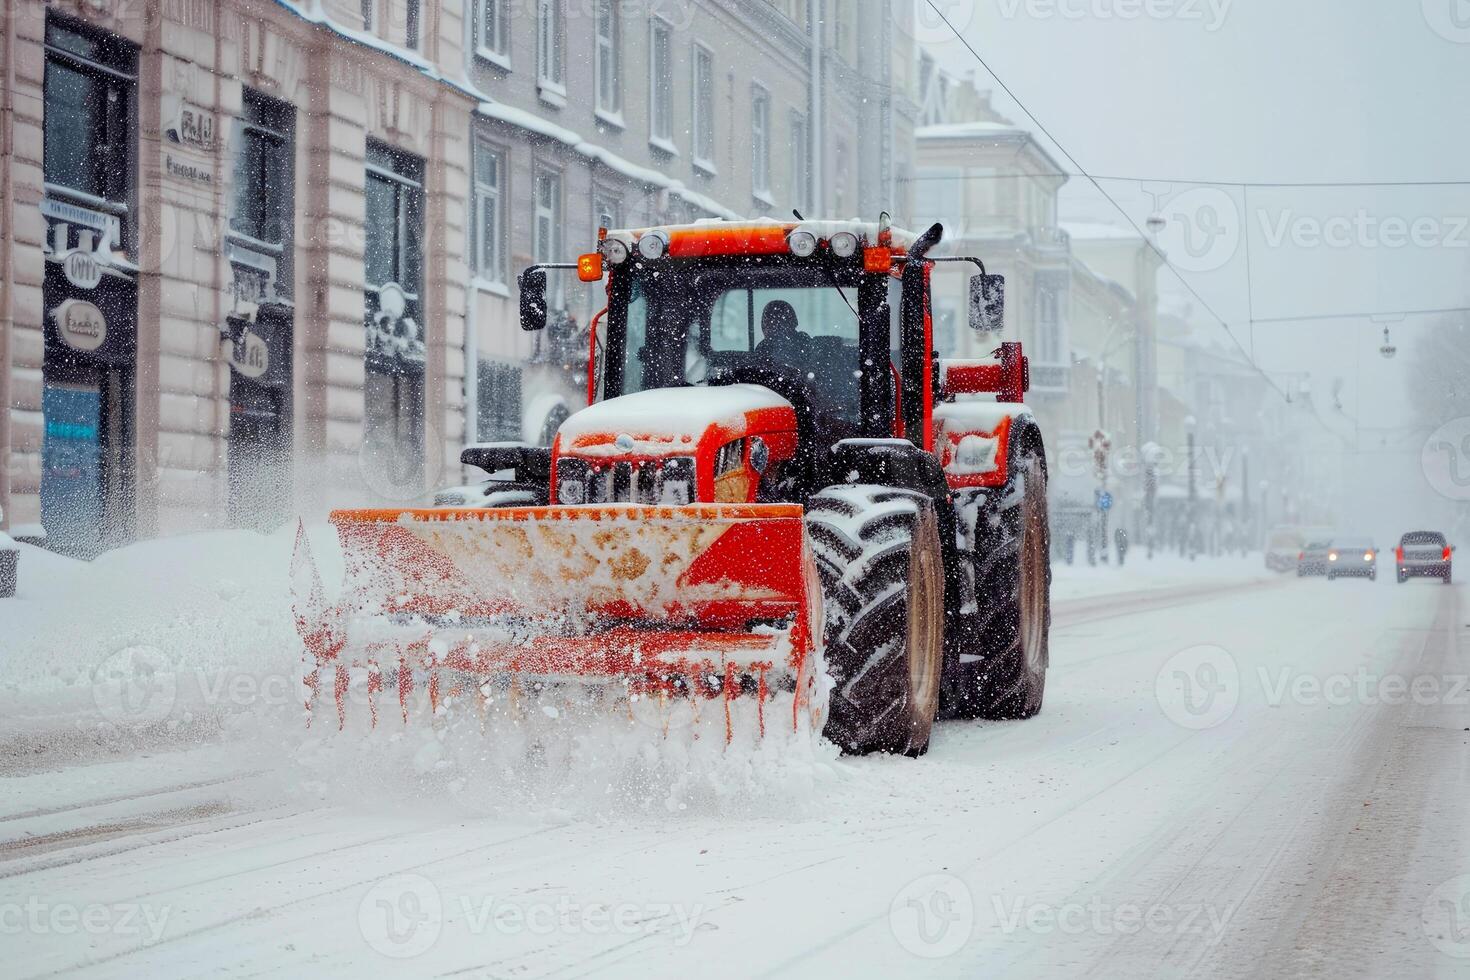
column 615, row 251
column 653, row 245
column 844, row 244
column 802, row 243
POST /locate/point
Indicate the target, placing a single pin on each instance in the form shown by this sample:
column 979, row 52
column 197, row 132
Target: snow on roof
column 533, row 123
column 866, row 231
column 968, row 130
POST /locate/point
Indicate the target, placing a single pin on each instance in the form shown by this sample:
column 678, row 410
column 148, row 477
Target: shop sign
column 250, row 355
column 188, row 125
column 81, row 325
column 82, row 269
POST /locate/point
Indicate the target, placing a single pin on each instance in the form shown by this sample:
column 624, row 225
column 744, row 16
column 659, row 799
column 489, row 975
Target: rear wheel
column 877, row 550
column 1001, row 666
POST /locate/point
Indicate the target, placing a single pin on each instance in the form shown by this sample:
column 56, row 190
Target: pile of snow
column 189, row 641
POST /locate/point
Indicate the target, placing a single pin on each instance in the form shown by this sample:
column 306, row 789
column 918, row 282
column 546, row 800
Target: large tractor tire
column 1002, row 659
column 878, row 554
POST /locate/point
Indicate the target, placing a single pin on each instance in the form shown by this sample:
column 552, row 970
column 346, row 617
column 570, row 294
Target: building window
column 499, row 402
column 262, row 209
column 704, row 108
column 938, row 196
column 1048, row 325
column 661, row 85
column 394, row 219
column 609, row 57
column 607, row 211
column 550, row 37
column 760, row 143
column 411, row 24
column 800, row 176
column 393, row 424
column 546, row 233
column 367, row 15
column 489, row 227
column 89, row 114
column 494, row 30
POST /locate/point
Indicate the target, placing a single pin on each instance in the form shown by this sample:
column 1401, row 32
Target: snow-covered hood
column 672, row 421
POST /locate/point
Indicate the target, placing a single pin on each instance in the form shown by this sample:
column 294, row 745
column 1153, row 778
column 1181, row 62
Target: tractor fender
column 974, row 441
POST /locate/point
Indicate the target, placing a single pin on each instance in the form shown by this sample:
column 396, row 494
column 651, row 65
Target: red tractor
column 778, row 490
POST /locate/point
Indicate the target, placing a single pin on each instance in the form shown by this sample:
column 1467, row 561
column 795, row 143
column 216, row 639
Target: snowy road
column 1239, row 779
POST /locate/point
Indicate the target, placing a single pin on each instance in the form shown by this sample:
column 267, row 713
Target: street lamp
column 1387, row 349
column 1189, row 532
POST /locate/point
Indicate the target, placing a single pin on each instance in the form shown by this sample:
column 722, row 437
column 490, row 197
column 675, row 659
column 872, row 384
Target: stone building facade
column 232, row 279
column 259, row 256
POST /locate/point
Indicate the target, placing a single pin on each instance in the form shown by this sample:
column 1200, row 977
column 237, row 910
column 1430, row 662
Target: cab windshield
column 697, row 325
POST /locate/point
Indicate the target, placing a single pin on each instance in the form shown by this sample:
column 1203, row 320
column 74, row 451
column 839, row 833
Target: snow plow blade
column 624, row 604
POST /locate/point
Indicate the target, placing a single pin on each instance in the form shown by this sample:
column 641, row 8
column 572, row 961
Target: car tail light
column 1300, row 555
column 1398, row 554
column 1446, row 552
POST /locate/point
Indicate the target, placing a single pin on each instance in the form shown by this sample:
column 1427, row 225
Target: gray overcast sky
column 1260, row 91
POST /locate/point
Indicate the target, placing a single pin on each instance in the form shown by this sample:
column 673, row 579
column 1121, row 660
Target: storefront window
column 394, row 436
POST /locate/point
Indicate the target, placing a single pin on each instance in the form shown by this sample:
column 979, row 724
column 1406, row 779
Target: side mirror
column 532, row 284
column 987, row 303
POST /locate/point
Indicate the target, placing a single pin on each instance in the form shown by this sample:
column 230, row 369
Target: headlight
column 615, row 251
column 652, row 245
column 844, row 244
column 1332, row 556
column 802, row 243
column 571, row 481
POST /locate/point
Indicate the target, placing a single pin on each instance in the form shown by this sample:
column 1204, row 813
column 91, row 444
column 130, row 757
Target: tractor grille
column 667, row 481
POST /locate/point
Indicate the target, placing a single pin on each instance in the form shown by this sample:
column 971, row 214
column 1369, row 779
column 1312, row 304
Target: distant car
column 1423, row 553
column 1283, row 545
column 1312, row 559
column 1352, row 556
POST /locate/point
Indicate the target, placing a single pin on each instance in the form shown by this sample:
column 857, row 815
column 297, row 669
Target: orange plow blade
column 708, row 606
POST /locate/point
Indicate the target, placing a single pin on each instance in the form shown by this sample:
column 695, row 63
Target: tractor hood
column 673, row 446
column 673, row 421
